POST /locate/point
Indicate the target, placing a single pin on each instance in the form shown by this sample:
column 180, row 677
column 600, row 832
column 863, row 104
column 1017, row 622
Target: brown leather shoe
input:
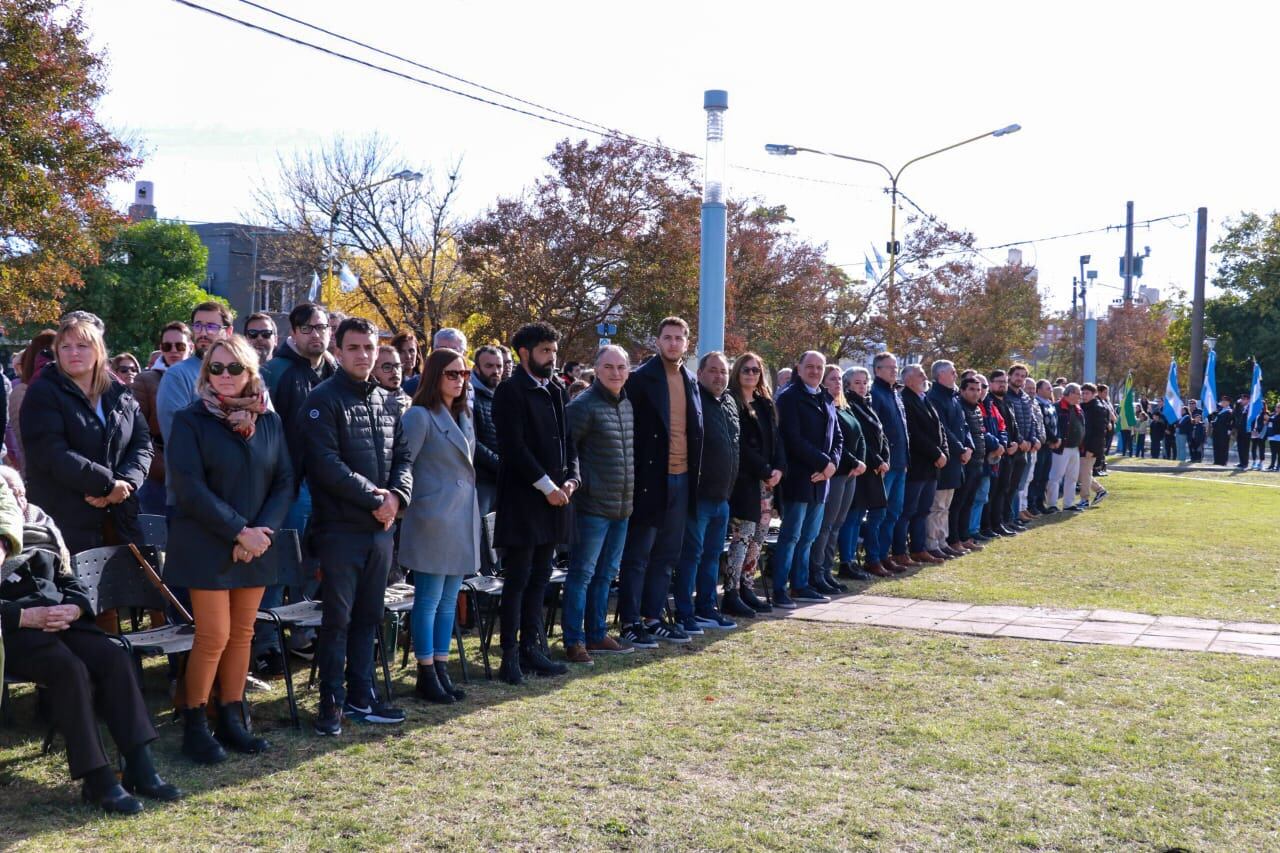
column 971, row 545
column 577, row 653
column 877, row 569
column 1025, row 516
column 899, row 563
column 926, row 557
column 610, row 646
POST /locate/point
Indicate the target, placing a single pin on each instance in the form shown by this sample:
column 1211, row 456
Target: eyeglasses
column 751, row 370
column 390, row 367
column 455, row 375
column 211, row 328
column 127, row 368
column 254, row 334
column 313, row 328
column 170, row 346
column 216, row 368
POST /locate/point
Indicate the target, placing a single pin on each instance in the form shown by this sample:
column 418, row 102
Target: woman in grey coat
column 440, row 534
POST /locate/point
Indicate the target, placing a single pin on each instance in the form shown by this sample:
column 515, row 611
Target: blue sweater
column 887, row 404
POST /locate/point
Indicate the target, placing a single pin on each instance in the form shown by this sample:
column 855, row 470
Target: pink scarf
column 239, row 413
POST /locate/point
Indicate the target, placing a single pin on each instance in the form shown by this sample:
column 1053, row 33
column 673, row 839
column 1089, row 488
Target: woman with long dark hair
column 760, row 469
column 440, row 533
column 232, row 481
column 34, row 358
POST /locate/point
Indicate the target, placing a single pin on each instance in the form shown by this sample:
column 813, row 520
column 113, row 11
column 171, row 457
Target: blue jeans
column 593, row 563
column 699, row 565
column 650, row 554
column 915, row 508
column 895, row 484
column 800, row 523
column 847, row 538
column 1181, row 441
column 979, row 503
column 435, row 602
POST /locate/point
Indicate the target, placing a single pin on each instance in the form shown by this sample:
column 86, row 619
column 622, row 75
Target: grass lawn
column 791, row 735
column 1156, row 544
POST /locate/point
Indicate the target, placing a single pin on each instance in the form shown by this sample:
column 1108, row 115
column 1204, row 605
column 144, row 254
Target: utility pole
column 711, row 271
column 1128, row 254
column 1197, row 302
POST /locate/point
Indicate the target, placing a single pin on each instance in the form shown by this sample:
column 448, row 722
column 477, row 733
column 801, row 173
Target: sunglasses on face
column 254, row 334
column 127, row 368
column 455, row 375
column 751, row 370
column 170, row 346
column 211, row 328
column 216, row 368
column 390, row 367
column 314, row 328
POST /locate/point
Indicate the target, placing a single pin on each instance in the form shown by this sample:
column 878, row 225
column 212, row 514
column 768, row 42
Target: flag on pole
column 870, row 273
column 1209, row 391
column 879, row 258
column 1172, row 398
column 1255, row 396
column 313, row 293
column 1128, row 417
column 347, row 280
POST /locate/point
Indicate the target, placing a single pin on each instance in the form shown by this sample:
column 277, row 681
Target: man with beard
column 386, row 372
column 997, row 508
column 260, row 331
column 538, row 476
column 1029, row 440
column 668, row 429
column 210, row 322
column 485, row 377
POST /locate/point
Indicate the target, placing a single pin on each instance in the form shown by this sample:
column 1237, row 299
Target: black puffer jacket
column 720, row 446
column 759, row 455
column 1096, row 422
column 602, row 428
column 71, row 454
column 353, row 445
column 290, row 379
column 485, row 456
column 224, row 483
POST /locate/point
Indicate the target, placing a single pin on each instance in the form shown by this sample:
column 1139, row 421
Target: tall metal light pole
column 711, row 272
column 1078, row 363
column 402, row 175
column 789, row 150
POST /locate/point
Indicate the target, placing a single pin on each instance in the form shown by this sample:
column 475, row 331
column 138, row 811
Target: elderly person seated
column 50, row 638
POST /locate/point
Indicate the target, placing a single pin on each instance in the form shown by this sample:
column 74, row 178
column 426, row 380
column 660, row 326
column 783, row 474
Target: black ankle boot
column 832, row 582
column 510, row 670
column 731, row 604
column 198, row 742
column 140, row 777
column 101, row 789
column 429, row 688
column 233, row 730
column 532, row 659
column 442, row 673
column 749, row 598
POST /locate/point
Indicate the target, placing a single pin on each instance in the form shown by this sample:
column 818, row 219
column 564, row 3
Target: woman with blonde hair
column 232, row 481
column 86, row 444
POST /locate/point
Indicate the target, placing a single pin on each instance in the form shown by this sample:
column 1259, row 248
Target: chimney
column 144, row 203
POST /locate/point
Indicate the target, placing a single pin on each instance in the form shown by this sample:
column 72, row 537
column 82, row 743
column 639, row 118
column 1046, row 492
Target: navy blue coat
column 647, row 390
column 811, row 438
column 893, row 420
column 946, row 402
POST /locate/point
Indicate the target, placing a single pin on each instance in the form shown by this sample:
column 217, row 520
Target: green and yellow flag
column 1127, row 418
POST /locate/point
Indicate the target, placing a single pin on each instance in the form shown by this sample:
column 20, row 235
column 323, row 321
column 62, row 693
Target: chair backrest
column 114, row 579
column 288, row 546
column 155, row 530
column 490, row 564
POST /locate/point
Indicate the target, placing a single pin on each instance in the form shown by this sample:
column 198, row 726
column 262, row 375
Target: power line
column 1120, row 227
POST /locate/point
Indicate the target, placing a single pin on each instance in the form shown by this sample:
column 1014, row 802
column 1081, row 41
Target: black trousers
column 1010, row 495
column 997, row 497
column 962, row 501
column 1040, row 479
column 525, row 572
column 354, row 584
column 84, row 675
column 1221, row 448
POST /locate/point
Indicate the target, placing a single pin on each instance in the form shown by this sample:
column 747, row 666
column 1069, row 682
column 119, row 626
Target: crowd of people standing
column 663, row 476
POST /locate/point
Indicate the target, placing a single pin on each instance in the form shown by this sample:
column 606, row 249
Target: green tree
column 56, row 158
column 150, row 275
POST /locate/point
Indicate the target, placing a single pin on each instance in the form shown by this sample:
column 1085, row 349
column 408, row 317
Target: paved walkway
column 1099, row 627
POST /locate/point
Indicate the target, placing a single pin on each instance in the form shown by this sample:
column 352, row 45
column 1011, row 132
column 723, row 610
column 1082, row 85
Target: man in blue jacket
column 887, row 403
column 813, row 443
column 946, row 402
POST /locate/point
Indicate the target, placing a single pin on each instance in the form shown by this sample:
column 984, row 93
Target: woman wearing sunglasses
column 440, row 535
column 229, row 472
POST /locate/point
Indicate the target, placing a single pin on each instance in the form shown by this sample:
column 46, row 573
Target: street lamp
column 791, row 150
column 403, row 175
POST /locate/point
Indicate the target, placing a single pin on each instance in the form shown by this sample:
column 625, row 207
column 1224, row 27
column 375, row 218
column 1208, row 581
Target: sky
column 1156, row 103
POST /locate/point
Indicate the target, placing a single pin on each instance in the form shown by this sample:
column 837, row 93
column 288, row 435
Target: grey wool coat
column 440, row 533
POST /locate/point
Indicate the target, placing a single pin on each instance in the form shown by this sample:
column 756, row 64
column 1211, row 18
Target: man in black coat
column 537, row 477
column 705, row 530
column 485, row 377
column 945, row 399
column 360, row 473
column 997, row 506
column 813, row 444
column 962, row 504
column 668, row 429
column 1224, row 421
column 1044, row 456
column 930, row 453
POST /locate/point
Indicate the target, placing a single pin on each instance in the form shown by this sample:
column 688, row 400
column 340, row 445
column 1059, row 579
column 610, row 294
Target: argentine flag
column 1255, row 396
column 1209, row 391
column 1172, row 398
column 313, row 292
column 347, row 280
column 867, row 270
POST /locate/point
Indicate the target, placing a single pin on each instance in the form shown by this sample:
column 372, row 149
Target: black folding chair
column 155, row 531
column 486, row 585
column 295, row 616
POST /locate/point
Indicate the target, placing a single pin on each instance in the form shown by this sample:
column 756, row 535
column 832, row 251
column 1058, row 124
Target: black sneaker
column 783, row 601
column 638, row 636
column 269, row 664
column 666, row 631
column 373, row 711
column 328, row 721
column 690, row 625
column 1080, row 507
column 307, row 652
column 1097, row 499
column 808, row 594
column 1050, row 510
